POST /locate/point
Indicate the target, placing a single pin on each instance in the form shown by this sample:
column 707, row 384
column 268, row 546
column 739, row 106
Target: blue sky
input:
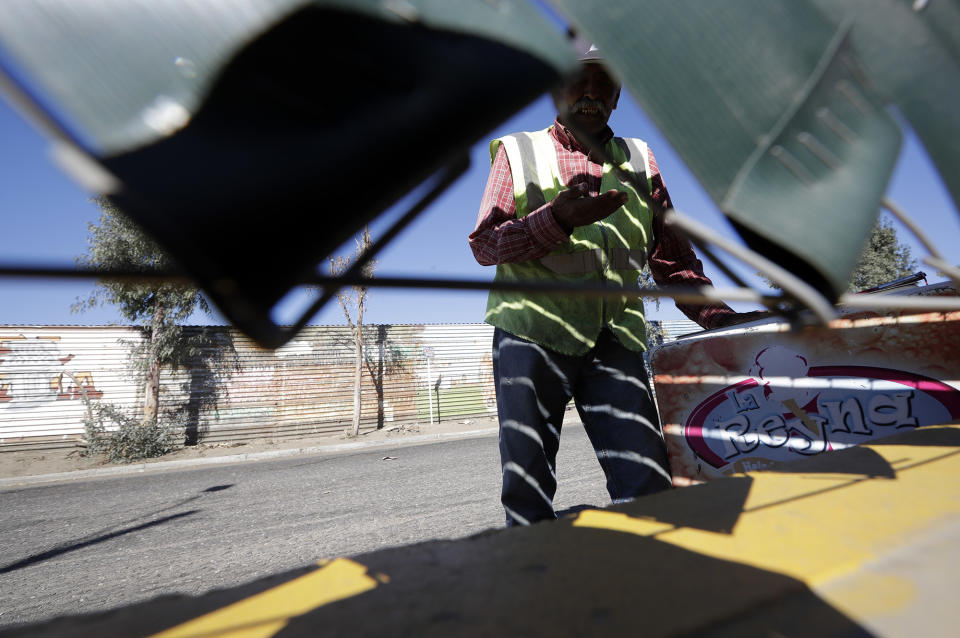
column 43, row 218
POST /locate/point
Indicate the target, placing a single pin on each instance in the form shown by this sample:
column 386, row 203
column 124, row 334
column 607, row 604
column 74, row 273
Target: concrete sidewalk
column 863, row 541
column 28, row 468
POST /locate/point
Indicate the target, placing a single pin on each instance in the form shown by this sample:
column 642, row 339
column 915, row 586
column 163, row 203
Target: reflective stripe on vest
column 592, row 260
column 527, row 187
column 636, row 153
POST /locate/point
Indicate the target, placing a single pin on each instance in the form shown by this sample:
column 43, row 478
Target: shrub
column 131, row 440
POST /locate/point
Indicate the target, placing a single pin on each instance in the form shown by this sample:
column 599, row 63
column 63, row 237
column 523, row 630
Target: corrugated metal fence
column 233, row 390
column 673, row 328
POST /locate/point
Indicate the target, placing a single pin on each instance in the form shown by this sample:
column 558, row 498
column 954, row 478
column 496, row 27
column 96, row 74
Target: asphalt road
column 91, row 545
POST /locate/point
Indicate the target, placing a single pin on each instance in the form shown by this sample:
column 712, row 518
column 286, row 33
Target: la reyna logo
column 789, row 408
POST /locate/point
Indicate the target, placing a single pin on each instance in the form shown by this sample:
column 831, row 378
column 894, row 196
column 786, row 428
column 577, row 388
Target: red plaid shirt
column 501, row 238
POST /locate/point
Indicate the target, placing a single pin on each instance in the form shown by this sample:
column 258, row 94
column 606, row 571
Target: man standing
column 553, row 210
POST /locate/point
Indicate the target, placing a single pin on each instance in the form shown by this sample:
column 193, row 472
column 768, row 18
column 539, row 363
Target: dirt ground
column 37, row 462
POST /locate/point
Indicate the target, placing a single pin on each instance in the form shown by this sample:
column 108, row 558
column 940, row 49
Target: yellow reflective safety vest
column 611, row 251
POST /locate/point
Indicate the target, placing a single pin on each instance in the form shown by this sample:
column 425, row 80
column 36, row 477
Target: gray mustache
column 586, row 101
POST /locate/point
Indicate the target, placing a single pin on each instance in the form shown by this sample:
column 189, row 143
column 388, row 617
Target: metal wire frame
column 682, row 294
column 797, row 295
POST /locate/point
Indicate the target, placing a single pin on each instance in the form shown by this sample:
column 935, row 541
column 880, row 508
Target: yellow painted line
column 264, row 614
column 618, row 522
column 816, row 527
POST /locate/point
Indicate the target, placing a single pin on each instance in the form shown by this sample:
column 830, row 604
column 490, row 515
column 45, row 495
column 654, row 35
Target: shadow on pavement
column 859, row 461
column 925, row 436
column 714, row 507
column 574, row 510
column 586, row 582
column 591, row 573
column 66, row 548
column 552, row 579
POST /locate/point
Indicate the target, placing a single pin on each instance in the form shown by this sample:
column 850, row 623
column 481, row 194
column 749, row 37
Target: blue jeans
column 610, row 390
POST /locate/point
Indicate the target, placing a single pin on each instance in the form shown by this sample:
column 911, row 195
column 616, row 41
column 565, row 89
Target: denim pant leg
column 532, row 393
column 613, row 398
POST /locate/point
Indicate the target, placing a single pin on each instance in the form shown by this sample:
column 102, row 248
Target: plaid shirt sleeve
column 673, row 262
column 500, row 237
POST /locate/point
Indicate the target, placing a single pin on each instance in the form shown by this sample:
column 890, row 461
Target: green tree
column 353, row 300
column 883, row 258
column 116, row 242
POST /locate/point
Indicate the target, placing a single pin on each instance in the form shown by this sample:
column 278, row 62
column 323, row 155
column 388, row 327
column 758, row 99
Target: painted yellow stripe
column 267, row 613
column 816, row 527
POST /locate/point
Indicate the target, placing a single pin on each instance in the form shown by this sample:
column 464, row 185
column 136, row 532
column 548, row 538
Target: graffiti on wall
column 35, row 370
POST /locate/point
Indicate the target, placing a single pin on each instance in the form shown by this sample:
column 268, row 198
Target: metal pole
column 429, row 400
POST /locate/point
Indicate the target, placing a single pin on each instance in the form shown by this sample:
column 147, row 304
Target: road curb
column 141, row 468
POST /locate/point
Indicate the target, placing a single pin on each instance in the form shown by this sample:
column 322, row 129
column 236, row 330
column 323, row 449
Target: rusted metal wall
column 44, row 373
column 410, row 374
column 234, row 390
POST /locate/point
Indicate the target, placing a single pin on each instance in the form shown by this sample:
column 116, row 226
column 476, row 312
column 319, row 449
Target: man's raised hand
column 572, row 208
